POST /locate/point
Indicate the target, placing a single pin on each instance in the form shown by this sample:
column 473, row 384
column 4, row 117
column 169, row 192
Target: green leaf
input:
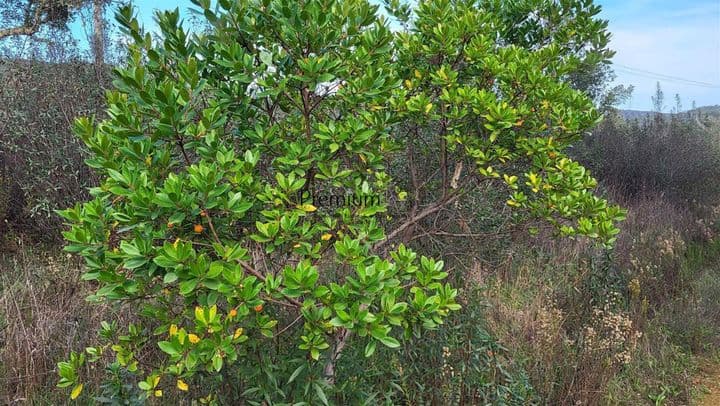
column 389, row 342
column 168, row 348
column 186, row 287
column 370, row 348
column 170, row 277
column 320, row 393
column 295, row 374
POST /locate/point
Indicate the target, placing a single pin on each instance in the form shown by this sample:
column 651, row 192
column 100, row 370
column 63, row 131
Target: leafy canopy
column 216, row 141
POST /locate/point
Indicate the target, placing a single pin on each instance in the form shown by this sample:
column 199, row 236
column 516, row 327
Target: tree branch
column 340, row 342
column 435, row 207
column 26, row 29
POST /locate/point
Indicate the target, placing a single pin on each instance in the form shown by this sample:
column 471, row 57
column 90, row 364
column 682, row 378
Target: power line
column 689, row 83
column 661, row 76
column 664, row 76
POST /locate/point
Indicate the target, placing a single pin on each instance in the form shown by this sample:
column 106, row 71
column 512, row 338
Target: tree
column 27, row 17
column 658, row 100
column 221, row 150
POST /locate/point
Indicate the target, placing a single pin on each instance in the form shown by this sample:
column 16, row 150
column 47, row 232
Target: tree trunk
column 98, row 40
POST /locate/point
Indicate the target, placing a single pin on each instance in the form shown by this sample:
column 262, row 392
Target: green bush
column 669, row 155
column 12, row 201
column 215, row 145
column 43, row 158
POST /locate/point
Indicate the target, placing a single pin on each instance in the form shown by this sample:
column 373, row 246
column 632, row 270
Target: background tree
column 28, row 17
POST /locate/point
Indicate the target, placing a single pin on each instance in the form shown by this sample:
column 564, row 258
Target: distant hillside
column 710, row 111
column 636, row 114
column 702, row 112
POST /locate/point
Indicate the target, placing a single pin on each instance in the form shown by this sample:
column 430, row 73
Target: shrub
column 208, row 216
column 669, row 155
column 43, row 158
column 12, row 201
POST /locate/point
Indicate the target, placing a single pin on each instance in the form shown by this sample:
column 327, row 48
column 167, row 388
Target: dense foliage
column 218, row 145
column 676, row 155
column 41, row 161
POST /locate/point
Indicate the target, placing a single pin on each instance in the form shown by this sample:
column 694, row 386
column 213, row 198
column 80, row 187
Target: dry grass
column 587, row 326
column 43, row 316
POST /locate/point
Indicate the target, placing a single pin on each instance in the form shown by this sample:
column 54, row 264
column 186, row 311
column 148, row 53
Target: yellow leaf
column 182, row 385
column 307, row 207
column 417, row 74
column 238, row 333
column 158, row 393
column 193, row 338
column 296, row 245
column 76, row 391
column 408, row 84
column 428, row 107
column 326, row 236
column 175, row 244
column 173, row 329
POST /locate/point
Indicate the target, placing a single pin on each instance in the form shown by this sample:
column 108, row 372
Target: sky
column 676, row 43
column 672, row 40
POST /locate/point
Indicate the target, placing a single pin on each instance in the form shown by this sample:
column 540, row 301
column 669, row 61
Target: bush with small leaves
column 219, row 146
